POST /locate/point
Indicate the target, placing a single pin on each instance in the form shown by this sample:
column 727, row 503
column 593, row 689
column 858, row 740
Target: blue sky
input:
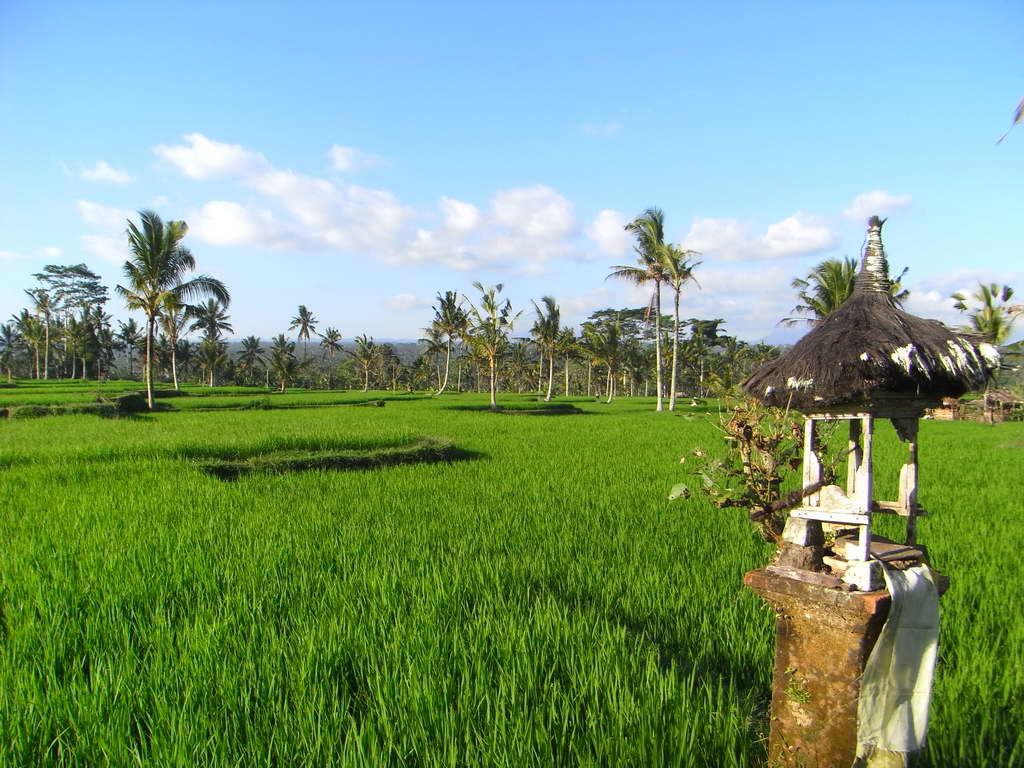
column 359, row 158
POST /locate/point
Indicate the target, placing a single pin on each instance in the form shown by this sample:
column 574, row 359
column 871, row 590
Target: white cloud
column 204, row 158
column 406, row 301
column 729, row 239
column 537, row 211
column 348, row 159
column 459, row 216
column 523, row 229
column 10, row 256
column 108, row 242
column 797, row 235
column 220, row 222
column 578, row 308
column 608, row 230
column 102, row 171
column 51, row 252
column 610, row 128
column 112, row 249
column 877, row 202
column 348, row 217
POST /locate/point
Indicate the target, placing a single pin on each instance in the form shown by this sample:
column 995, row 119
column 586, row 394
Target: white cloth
column 896, row 688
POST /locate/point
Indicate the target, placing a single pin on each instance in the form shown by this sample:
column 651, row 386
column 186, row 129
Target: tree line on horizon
column 65, row 332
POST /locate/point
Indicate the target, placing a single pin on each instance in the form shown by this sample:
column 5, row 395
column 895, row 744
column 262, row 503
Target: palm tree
column 212, row 355
column 9, row 340
column 283, row 364
column 30, row 332
column 993, row 317
column 826, row 287
column 451, row 321
column 605, row 343
column 44, row 310
column 678, row 272
column 250, row 356
column 157, row 267
column 649, row 230
column 173, row 316
column 434, row 346
column 491, row 325
column 567, row 346
column 305, row 321
column 211, row 318
column 545, row 333
column 129, row 334
column 331, row 342
column 366, row 355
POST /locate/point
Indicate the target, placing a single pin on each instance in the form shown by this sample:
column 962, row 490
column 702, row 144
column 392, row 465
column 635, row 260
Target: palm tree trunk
column 566, row 375
column 174, row 365
column 611, row 385
column 366, row 378
column 675, row 356
column 657, row 341
column 458, row 380
column 551, row 375
column 590, row 378
column 447, row 365
column 46, row 351
column 149, row 361
column 493, row 368
column 540, row 374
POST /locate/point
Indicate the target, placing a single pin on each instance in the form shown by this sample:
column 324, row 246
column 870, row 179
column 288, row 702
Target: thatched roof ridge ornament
column 869, row 349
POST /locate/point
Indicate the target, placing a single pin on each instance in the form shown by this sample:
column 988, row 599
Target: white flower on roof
column 795, row 383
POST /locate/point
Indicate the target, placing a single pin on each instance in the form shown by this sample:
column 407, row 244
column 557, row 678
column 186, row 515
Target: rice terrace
column 497, row 385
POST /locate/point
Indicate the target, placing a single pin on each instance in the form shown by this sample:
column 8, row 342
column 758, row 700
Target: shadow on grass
column 551, row 409
column 424, row 451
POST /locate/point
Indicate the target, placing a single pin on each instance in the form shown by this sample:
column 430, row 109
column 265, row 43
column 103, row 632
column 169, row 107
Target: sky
column 359, row 158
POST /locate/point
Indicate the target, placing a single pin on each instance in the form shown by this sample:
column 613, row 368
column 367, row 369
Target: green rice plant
column 543, row 604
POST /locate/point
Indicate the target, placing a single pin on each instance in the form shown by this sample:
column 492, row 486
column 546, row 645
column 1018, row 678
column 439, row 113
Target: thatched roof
column 869, row 348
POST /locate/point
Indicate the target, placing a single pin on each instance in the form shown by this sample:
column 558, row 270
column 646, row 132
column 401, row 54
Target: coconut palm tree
column 283, row 364
column 43, row 305
column 331, row 342
column 451, row 320
column 433, row 347
column 173, row 316
column 129, row 334
column 567, row 345
column 827, row 286
column 491, row 324
column 366, row 355
column 211, row 319
column 649, row 230
column 545, row 332
column 211, row 355
column 992, row 316
column 305, row 322
column 250, row 357
column 9, row 341
column 30, row 332
column 157, row 267
column 678, row 267
column 605, row 342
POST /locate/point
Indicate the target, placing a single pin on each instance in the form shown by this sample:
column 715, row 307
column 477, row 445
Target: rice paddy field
column 430, row 584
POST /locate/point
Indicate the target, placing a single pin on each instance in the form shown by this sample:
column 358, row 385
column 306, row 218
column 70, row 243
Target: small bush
column 133, row 402
column 29, row 411
column 107, row 410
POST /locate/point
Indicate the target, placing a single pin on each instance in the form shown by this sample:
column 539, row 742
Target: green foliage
column 29, row 411
column 764, row 445
column 132, row 402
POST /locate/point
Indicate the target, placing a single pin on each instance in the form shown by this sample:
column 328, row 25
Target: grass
column 543, row 604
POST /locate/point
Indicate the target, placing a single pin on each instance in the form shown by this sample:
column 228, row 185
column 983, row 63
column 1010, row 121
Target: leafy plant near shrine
column 764, row 445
